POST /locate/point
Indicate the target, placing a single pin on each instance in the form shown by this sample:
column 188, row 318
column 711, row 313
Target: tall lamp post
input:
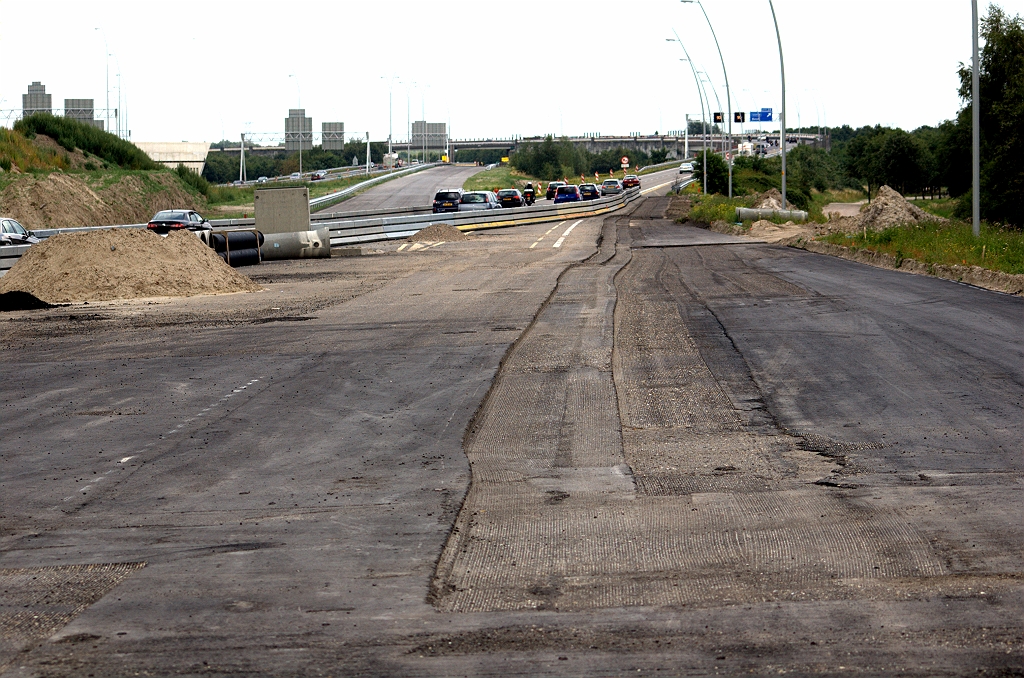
column 728, row 97
column 975, row 126
column 391, row 91
column 704, row 121
column 782, row 138
column 302, row 120
column 106, row 53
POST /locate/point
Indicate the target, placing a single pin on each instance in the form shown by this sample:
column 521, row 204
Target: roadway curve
column 415, row 190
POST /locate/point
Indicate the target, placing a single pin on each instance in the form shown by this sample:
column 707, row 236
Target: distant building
column 81, row 110
column 37, row 100
column 191, row 154
column 429, row 134
column 333, row 135
column 298, row 130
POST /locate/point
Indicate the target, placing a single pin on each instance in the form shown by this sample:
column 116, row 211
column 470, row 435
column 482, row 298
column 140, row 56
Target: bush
column 193, row 180
column 718, row 173
column 72, row 134
column 711, row 208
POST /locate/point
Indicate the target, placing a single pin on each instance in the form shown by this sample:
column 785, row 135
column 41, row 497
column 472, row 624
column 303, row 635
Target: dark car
column 510, row 197
column 173, row 220
column 479, row 200
column 630, row 181
column 447, row 200
column 567, row 193
column 553, row 188
column 589, row 192
column 13, row 233
column 611, row 187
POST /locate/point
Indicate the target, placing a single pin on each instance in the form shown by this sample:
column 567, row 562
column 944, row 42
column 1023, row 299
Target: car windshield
column 587, row 187
column 170, row 215
column 474, row 197
column 555, row 184
column 446, row 195
column 563, row 190
column 611, row 182
column 507, row 193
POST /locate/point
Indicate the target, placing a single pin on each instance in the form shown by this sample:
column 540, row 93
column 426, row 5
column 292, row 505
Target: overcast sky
column 211, row 69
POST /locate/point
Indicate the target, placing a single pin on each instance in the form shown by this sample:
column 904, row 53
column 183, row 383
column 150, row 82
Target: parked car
column 319, row 174
column 630, row 181
column 686, row 168
column 296, row 176
column 13, row 233
column 479, row 200
column 567, row 193
column 589, row 192
column 510, row 197
column 611, row 186
column 262, row 180
column 166, row 221
column 447, row 200
column 553, row 188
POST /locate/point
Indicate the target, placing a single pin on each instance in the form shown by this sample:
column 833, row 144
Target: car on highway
column 553, row 188
column 567, row 193
column 13, row 233
column 631, row 181
column 686, row 168
column 611, row 186
column 262, row 180
column 589, row 192
column 295, row 175
column 511, row 197
column 165, row 221
column 318, row 175
column 447, row 200
column 479, row 200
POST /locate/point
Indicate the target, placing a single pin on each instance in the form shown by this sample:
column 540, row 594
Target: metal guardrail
column 327, row 200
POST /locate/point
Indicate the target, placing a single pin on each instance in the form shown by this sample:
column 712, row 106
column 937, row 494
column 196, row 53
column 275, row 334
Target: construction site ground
column 610, row 446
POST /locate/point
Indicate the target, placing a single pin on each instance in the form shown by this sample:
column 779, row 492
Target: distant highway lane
column 414, row 190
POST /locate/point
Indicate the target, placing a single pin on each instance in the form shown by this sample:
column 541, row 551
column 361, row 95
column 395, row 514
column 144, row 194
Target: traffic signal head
column 739, row 116
column 719, row 117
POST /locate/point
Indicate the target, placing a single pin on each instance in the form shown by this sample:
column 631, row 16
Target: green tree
column 718, row 173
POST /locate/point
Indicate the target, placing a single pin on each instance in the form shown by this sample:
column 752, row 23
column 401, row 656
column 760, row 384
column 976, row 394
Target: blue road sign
column 755, row 116
column 766, row 115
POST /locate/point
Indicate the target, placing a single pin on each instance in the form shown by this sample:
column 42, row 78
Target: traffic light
column 719, row 117
column 739, row 116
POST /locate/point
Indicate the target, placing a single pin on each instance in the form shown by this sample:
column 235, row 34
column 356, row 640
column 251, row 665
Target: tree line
column 552, row 160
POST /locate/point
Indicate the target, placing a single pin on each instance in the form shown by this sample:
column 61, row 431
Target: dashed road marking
column 537, row 242
column 558, row 243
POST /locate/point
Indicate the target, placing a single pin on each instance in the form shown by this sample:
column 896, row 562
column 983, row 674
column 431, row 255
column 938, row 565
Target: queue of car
column 458, row 200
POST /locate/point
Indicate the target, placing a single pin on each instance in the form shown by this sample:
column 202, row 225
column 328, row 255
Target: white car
column 479, row 200
column 13, row 233
column 295, row 175
column 686, row 168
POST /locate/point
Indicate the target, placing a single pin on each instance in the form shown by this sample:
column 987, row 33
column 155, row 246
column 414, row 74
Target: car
column 567, row 193
column 631, row 181
column 447, row 200
column 166, row 221
column 318, row 175
column 262, row 180
column 510, row 197
column 479, row 200
column 553, row 188
column 13, row 233
column 296, row 176
column 611, row 186
column 589, row 192
column 686, row 168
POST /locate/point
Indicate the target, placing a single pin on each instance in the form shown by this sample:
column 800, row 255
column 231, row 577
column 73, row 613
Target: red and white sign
column 625, row 161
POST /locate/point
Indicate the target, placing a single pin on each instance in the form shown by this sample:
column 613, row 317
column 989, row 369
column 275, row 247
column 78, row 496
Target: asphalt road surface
column 610, row 446
column 414, row 190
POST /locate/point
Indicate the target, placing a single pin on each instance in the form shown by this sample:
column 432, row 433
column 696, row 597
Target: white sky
column 203, row 70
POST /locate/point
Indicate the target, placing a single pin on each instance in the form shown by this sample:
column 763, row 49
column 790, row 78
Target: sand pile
column 123, row 263
column 438, row 233
column 889, row 208
column 769, row 200
column 772, row 232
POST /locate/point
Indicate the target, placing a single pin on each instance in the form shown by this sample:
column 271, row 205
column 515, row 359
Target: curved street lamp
column 704, row 121
column 782, row 138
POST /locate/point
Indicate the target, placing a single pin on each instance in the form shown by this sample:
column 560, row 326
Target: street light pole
column 975, row 127
column 782, row 138
column 728, row 97
column 704, row 122
column 302, row 120
column 106, row 52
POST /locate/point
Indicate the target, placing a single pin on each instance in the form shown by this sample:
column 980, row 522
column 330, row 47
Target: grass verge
column 711, row 208
column 943, row 243
column 499, row 177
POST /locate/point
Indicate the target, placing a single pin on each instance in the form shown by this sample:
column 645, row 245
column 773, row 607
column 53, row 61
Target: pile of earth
column 769, row 200
column 122, row 263
column 438, row 233
column 60, row 200
column 888, row 208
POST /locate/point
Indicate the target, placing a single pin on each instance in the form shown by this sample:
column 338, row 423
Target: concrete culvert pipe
column 747, row 213
column 300, row 245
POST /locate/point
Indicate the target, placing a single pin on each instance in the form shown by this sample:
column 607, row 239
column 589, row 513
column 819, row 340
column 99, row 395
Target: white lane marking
column 534, row 244
column 654, row 188
column 416, row 246
column 537, row 242
column 124, row 459
column 436, row 244
column 558, row 243
column 402, row 247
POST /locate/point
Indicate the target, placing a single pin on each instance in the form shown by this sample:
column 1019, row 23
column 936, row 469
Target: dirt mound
column 889, row 208
column 769, row 200
column 123, row 263
column 66, row 200
column 438, row 233
column 21, row 301
column 76, row 159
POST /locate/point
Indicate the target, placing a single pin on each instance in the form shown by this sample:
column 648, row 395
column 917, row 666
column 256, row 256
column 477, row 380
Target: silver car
column 479, row 200
column 13, row 233
column 611, row 186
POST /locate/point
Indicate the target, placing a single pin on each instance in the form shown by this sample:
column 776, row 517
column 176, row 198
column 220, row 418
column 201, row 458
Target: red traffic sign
column 624, row 160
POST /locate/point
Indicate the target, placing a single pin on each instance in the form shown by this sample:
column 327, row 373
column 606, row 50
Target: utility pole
column 975, row 128
column 367, row 153
column 106, row 53
column 728, row 97
column 686, row 138
column 241, row 161
column 704, row 123
column 782, row 68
